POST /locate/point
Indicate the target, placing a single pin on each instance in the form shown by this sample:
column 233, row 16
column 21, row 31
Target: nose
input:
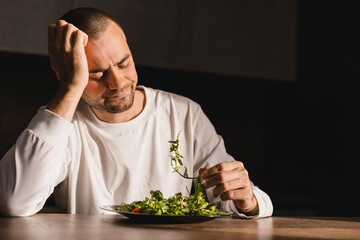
column 115, row 80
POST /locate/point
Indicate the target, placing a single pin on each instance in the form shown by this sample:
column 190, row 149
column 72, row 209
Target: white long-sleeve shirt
column 89, row 163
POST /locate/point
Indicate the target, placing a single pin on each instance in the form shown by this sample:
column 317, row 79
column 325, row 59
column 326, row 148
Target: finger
column 61, row 22
column 225, row 166
column 201, row 170
column 68, row 33
column 59, row 36
column 228, row 186
column 78, row 39
column 85, row 38
column 242, row 195
column 244, row 199
column 225, row 176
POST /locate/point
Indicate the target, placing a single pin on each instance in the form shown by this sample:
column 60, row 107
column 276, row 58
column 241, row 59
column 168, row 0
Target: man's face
column 112, row 73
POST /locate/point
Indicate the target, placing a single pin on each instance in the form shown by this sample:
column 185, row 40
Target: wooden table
column 67, row 226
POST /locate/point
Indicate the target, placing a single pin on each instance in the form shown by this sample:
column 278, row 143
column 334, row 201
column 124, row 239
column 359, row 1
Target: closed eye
column 96, row 76
column 122, row 66
column 95, row 79
column 99, row 73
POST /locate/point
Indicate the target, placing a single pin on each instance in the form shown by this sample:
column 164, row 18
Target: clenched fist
column 232, row 182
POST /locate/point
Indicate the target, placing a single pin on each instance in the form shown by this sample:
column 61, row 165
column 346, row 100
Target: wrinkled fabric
column 88, row 163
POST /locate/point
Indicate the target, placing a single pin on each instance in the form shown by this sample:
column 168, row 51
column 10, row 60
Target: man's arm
column 226, row 181
column 68, row 60
column 38, row 161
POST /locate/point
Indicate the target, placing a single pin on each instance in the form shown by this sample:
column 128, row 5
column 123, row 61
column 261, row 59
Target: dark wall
column 200, row 35
column 311, row 135
column 329, row 76
column 299, row 141
column 26, row 83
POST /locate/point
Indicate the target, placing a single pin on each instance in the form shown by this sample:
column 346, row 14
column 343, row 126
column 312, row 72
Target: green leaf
column 157, row 195
column 175, row 159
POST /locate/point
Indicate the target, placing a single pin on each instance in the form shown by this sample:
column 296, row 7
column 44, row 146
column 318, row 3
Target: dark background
column 299, row 140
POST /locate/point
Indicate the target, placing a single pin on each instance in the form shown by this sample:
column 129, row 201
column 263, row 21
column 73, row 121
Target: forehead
column 108, row 49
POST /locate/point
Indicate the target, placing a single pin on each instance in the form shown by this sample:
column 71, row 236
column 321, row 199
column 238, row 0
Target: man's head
column 112, row 73
column 89, row 20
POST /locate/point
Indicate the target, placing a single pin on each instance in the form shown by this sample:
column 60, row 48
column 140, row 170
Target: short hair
column 92, row 21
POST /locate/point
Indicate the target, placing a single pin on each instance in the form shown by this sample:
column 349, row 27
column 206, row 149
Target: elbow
column 12, row 209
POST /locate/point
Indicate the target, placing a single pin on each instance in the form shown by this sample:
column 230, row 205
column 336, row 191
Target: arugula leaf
column 175, row 159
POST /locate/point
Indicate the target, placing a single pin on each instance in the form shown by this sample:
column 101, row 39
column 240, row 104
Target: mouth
column 118, row 95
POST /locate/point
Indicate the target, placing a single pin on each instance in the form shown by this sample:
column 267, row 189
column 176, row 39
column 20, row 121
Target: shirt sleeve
column 37, row 162
column 209, row 151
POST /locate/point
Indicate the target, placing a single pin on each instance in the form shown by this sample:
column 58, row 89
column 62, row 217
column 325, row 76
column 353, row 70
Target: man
column 104, row 140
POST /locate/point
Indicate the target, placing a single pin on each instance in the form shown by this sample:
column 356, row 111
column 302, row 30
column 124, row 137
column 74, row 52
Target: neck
column 131, row 113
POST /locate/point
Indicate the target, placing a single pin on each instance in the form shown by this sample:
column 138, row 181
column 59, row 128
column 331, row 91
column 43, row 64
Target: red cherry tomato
column 136, row 210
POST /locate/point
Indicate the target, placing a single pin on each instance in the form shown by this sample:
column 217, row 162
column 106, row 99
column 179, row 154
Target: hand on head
column 66, row 46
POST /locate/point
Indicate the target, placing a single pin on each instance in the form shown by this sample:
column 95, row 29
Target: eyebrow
column 96, row 70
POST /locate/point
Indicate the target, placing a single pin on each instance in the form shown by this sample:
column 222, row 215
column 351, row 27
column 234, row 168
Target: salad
column 178, row 205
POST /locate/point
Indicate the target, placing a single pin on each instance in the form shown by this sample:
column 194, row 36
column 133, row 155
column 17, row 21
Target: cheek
column 132, row 74
column 94, row 89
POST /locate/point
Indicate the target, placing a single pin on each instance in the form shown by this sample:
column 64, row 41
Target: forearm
column 65, row 101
